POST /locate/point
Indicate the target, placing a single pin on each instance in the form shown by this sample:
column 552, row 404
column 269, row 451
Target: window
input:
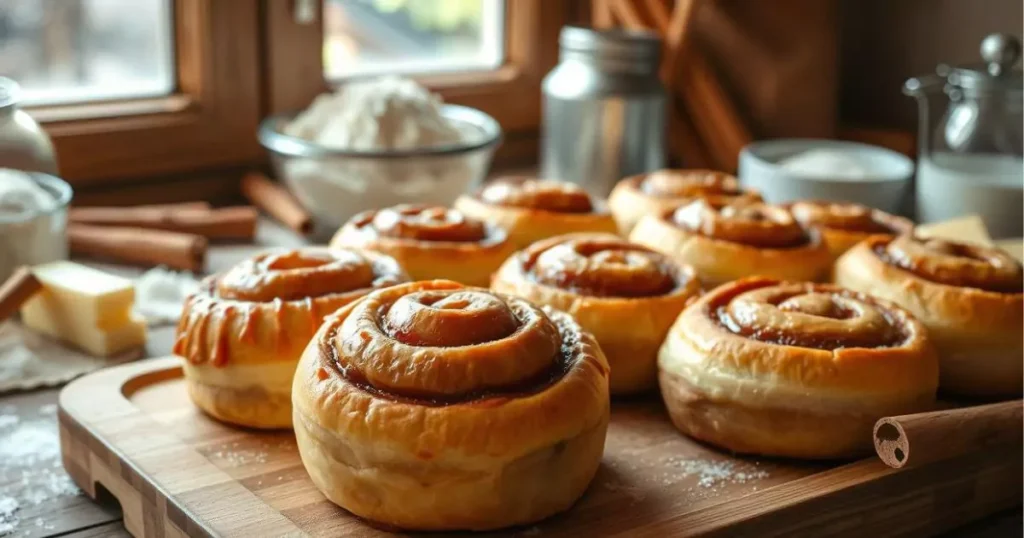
column 371, row 37
column 486, row 54
column 133, row 89
column 63, row 51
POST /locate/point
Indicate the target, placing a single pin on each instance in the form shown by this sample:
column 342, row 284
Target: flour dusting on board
column 30, row 461
column 713, row 473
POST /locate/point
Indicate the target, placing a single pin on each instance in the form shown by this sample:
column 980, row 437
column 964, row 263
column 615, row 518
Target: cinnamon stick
column 926, row 437
column 227, row 223
column 139, row 246
column 276, row 202
column 18, row 288
column 602, row 14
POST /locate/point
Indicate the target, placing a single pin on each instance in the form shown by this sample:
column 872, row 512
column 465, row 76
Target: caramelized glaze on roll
column 242, row 333
column 793, row 369
column 432, row 406
column 970, row 298
column 658, row 192
column 843, row 225
column 534, row 209
column 625, row 294
column 430, row 242
column 725, row 242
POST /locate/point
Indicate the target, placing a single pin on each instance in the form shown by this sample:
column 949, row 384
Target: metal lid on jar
column 642, row 47
column 1000, row 53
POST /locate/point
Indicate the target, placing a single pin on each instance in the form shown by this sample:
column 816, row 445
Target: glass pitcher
column 970, row 140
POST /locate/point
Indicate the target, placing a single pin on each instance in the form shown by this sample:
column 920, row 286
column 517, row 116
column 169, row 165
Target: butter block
column 93, row 298
column 969, row 229
column 96, row 342
column 86, row 308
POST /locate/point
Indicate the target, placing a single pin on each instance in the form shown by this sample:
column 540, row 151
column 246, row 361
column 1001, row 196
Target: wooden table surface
column 76, row 516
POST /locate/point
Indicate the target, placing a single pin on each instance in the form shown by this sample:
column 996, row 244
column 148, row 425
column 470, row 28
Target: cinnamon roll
column 799, row 370
column 970, row 298
column 430, row 242
column 433, row 406
column 724, row 242
column 658, row 192
column 843, row 225
column 534, row 209
column 626, row 295
column 242, row 333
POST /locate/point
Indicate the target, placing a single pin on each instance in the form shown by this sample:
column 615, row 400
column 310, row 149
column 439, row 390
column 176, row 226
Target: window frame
column 208, row 120
column 294, row 71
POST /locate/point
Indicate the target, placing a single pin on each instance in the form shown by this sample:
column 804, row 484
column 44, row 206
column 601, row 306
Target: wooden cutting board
column 131, row 431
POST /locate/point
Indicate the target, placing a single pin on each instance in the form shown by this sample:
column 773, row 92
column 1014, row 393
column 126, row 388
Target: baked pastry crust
column 243, row 332
column 843, row 225
column 430, row 242
column 661, row 191
column 968, row 296
column 535, row 209
column 626, row 295
column 725, row 242
column 799, row 370
column 432, row 406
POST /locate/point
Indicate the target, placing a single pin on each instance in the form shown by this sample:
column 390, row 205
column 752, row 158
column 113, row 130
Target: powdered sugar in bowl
column 378, row 143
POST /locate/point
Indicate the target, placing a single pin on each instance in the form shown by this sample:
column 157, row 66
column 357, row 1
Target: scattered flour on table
column 711, row 473
column 30, row 464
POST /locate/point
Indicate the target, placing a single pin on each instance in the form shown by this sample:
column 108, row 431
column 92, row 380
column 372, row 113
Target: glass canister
column 23, row 143
column 604, row 109
column 970, row 140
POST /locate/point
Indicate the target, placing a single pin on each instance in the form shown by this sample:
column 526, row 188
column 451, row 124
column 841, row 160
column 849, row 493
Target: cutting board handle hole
column 106, row 498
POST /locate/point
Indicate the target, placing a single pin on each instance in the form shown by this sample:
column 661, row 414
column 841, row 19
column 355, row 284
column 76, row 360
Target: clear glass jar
column 971, row 140
column 23, row 143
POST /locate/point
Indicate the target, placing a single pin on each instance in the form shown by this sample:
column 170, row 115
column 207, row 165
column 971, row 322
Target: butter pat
column 85, row 307
column 969, row 229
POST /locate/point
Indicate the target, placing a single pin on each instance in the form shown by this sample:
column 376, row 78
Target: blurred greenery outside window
column 370, row 37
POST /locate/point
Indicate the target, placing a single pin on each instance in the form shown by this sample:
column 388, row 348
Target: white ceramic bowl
column 885, row 188
column 333, row 184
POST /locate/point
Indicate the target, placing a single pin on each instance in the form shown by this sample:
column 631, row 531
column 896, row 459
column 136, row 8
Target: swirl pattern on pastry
column 486, row 345
column 756, row 225
column 433, row 387
column 625, row 294
column 306, row 282
column 603, row 266
column 954, row 264
column 658, row 192
column 849, row 217
column 816, row 316
column 555, row 196
column 793, row 368
column 423, row 223
column 430, row 242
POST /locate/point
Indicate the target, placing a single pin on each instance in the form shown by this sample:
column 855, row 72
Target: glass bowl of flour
column 376, row 143
column 33, row 219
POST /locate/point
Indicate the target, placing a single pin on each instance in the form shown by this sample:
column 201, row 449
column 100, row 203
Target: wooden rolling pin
column 909, row 440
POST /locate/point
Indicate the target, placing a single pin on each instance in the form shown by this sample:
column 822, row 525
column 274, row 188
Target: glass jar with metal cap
column 604, row 108
column 23, row 144
column 970, row 139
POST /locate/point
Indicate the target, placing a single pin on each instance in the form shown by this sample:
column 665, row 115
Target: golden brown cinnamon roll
column 968, row 296
column 658, row 192
column 430, row 242
column 242, row 333
column 799, row 370
column 726, row 242
column 534, row 209
column 433, row 406
column 626, row 295
column 843, row 225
